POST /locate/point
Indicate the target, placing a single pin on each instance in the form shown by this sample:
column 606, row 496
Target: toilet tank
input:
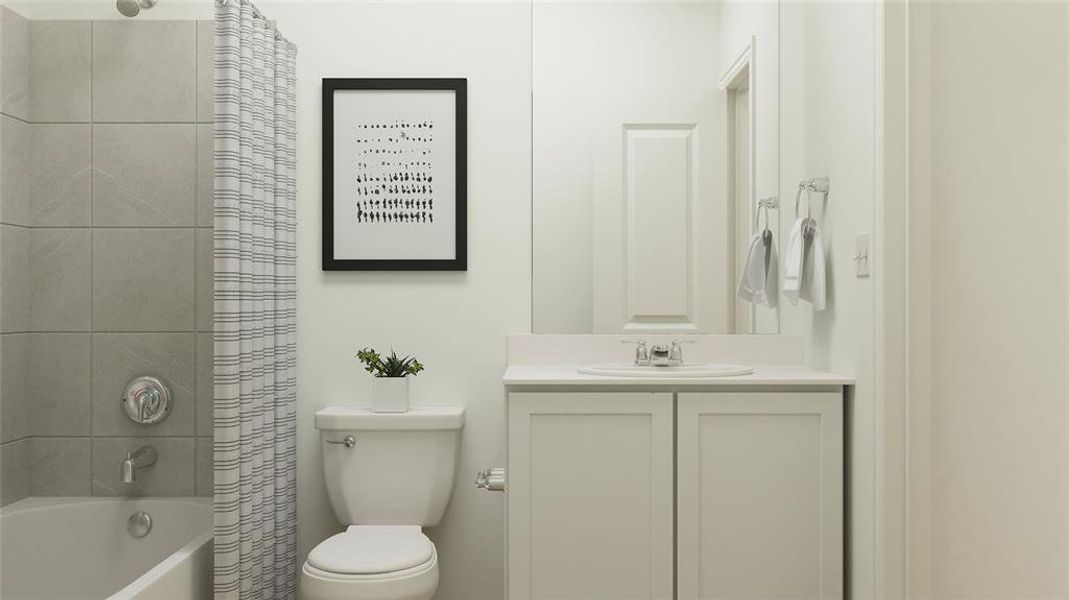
column 399, row 467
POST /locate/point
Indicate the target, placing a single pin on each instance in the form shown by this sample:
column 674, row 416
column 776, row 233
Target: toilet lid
column 367, row 549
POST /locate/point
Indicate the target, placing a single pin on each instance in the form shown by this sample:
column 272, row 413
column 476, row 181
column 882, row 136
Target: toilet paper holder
column 491, row 480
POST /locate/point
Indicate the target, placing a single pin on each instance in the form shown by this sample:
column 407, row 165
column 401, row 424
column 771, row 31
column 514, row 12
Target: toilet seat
column 372, row 562
column 372, row 549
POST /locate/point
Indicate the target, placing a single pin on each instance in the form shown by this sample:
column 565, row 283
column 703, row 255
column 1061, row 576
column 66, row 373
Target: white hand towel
column 794, row 263
column 805, row 275
column 759, row 280
column 814, row 283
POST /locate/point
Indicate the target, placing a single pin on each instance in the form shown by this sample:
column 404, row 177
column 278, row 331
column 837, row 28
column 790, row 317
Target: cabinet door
column 590, row 496
column 760, row 505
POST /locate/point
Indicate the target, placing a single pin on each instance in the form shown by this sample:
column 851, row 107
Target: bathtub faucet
column 145, row 456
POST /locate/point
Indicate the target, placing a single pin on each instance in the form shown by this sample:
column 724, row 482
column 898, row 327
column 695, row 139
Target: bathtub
column 79, row 548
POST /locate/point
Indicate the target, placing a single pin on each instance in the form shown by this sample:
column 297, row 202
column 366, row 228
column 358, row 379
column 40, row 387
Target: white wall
column 456, row 323
column 827, row 129
column 998, row 304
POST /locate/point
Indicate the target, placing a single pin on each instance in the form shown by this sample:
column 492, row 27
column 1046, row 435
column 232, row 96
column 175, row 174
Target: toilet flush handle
column 491, row 480
column 348, row 441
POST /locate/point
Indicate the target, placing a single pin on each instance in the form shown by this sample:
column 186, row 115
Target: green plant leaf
column 390, row 366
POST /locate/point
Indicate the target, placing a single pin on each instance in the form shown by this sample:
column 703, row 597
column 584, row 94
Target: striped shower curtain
column 255, row 307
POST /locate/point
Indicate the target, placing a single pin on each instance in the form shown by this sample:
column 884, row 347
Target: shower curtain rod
column 259, row 15
column 255, row 11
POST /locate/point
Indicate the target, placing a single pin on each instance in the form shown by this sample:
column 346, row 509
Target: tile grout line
column 19, row 119
column 107, row 227
column 27, row 156
column 104, row 331
column 91, row 121
column 25, row 438
column 120, row 227
column 84, row 436
column 98, row 122
column 122, row 437
column 92, row 242
column 196, row 248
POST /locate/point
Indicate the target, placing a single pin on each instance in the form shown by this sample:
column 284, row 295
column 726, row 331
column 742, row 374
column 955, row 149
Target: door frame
column 901, row 449
column 737, row 77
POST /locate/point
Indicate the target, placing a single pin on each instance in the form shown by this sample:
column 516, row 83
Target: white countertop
column 763, row 375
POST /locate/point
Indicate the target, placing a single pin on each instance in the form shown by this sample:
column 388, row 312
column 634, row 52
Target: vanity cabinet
column 760, row 495
column 590, row 495
column 675, row 494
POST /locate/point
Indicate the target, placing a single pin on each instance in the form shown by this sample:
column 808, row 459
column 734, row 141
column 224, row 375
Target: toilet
column 387, row 475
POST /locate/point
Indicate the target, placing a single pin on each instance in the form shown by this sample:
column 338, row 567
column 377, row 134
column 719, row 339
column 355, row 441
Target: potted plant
column 389, row 387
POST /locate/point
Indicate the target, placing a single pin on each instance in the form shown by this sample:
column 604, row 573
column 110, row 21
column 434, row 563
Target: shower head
column 128, row 8
column 131, row 8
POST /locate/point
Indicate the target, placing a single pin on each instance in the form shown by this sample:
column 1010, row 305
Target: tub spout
column 145, row 456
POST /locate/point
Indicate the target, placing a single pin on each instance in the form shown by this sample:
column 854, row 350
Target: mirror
column 655, row 139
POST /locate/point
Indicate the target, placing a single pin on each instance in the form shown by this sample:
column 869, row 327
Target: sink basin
column 693, row 370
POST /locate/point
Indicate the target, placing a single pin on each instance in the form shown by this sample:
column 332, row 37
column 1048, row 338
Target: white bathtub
column 79, row 548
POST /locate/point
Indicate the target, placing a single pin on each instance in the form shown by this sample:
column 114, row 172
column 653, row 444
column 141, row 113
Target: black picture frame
column 460, row 88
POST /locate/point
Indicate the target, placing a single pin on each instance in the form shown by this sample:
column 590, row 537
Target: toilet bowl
column 387, row 476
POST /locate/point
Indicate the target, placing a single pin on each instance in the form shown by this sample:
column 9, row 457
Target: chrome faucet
column 658, row 355
column 661, row 355
column 145, row 456
column 642, row 355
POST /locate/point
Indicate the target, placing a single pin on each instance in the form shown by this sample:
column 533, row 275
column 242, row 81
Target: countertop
column 568, row 375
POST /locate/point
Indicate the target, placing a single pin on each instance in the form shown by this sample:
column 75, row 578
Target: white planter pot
column 389, row 394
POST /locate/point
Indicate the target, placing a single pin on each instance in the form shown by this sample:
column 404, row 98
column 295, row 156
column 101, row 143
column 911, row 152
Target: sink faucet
column 642, row 355
column 661, row 355
column 658, row 355
column 145, row 456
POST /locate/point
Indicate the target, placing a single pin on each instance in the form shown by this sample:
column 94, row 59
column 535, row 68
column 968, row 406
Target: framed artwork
column 395, row 174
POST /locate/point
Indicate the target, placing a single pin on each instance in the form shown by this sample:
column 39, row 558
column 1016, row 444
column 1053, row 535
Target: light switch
column 862, row 254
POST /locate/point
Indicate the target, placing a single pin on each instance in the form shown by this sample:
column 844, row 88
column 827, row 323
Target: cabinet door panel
column 760, row 495
column 590, row 496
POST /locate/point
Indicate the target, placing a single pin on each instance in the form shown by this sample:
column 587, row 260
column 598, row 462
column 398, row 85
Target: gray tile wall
column 16, row 445
column 105, row 252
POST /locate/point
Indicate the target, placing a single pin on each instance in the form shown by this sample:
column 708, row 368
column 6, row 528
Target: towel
column 804, row 275
column 793, row 260
column 759, row 280
column 813, row 279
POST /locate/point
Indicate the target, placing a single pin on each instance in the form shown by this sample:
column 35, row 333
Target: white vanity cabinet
column 676, row 494
column 759, row 480
column 590, row 494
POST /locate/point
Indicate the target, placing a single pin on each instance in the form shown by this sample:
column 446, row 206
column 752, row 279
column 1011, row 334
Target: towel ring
column 766, row 204
column 817, row 184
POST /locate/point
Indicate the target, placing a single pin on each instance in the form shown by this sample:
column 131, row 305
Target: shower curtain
column 255, row 307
